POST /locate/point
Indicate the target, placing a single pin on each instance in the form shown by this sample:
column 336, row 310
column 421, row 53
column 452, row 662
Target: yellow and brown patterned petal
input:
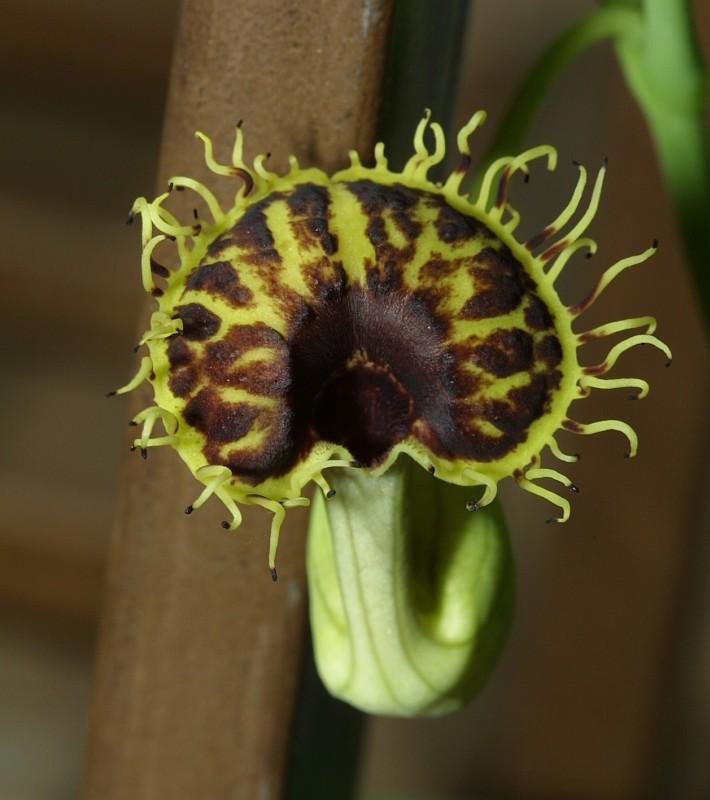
column 340, row 321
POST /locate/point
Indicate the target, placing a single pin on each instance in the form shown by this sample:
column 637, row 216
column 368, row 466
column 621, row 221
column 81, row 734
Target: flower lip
column 369, row 355
column 322, row 320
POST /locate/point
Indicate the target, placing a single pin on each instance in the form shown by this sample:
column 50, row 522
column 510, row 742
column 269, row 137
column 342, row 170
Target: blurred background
column 604, row 689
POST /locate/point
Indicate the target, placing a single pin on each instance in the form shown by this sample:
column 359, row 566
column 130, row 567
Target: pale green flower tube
column 411, row 595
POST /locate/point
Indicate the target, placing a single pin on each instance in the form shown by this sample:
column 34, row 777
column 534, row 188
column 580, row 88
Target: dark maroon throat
column 365, row 368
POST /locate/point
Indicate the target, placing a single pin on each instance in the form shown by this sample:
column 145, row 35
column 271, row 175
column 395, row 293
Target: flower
column 338, row 322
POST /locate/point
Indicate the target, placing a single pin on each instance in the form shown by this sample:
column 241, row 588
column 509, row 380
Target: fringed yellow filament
column 420, row 149
column 468, row 129
column 279, row 513
column 159, row 441
column 146, row 256
column 293, row 164
column 538, row 473
column 514, row 220
column 150, row 415
column 180, row 239
column 559, row 453
column 453, row 182
column 325, row 487
column 557, row 224
column 561, row 261
column 617, row 327
column 609, row 425
column 354, row 157
column 423, row 167
column 588, row 215
column 231, row 506
column 219, row 169
column 261, row 170
column 380, row 158
column 627, row 344
column 488, row 178
column 519, row 164
column 510, row 167
column 213, row 476
column 141, row 206
column 164, row 221
column 238, row 149
column 144, row 371
column 314, row 470
column 609, row 275
column 332, row 462
column 161, row 327
column 489, row 493
column 548, row 495
column 588, row 382
column 204, row 193
column 296, row 502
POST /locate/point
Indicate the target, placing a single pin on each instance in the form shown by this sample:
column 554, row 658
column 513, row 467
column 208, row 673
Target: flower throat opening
column 368, row 369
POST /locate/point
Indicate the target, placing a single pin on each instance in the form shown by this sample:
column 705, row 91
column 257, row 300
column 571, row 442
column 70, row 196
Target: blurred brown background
column 604, row 689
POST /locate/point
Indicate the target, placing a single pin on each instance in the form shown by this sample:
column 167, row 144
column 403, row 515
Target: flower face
column 338, row 322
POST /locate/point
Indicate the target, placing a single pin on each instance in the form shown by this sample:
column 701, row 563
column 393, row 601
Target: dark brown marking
column 240, row 338
column 179, row 353
column 437, row 267
column 326, row 279
column 274, row 456
column 522, row 406
column 456, row 228
column 537, row 315
column 198, row 322
column 219, row 421
column 376, row 198
column 595, row 369
column 246, row 176
column 220, row 279
column 549, row 350
column 408, row 227
column 463, row 164
column 183, row 381
column 252, row 232
column 556, row 248
column 505, row 352
column 309, row 203
column 159, row 269
column 376, row 232
column 398, row 200
column 500, row 284
column 540, row 238
column 502, row 192
column 583, row 305
column 309, row 200
column 573, row 426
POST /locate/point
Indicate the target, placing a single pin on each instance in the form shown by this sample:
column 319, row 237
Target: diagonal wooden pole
column 199, row 652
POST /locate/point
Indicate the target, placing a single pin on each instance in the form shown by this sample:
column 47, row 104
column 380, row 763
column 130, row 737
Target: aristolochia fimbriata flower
column 334, row 325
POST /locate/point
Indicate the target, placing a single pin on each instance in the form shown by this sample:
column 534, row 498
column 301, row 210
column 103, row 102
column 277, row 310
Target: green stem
column 665, row 73
column 411, row 594
column 602, row 23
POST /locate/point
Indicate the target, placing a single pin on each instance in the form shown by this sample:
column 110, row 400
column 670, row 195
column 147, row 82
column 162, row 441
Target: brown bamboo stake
column 199, row 652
